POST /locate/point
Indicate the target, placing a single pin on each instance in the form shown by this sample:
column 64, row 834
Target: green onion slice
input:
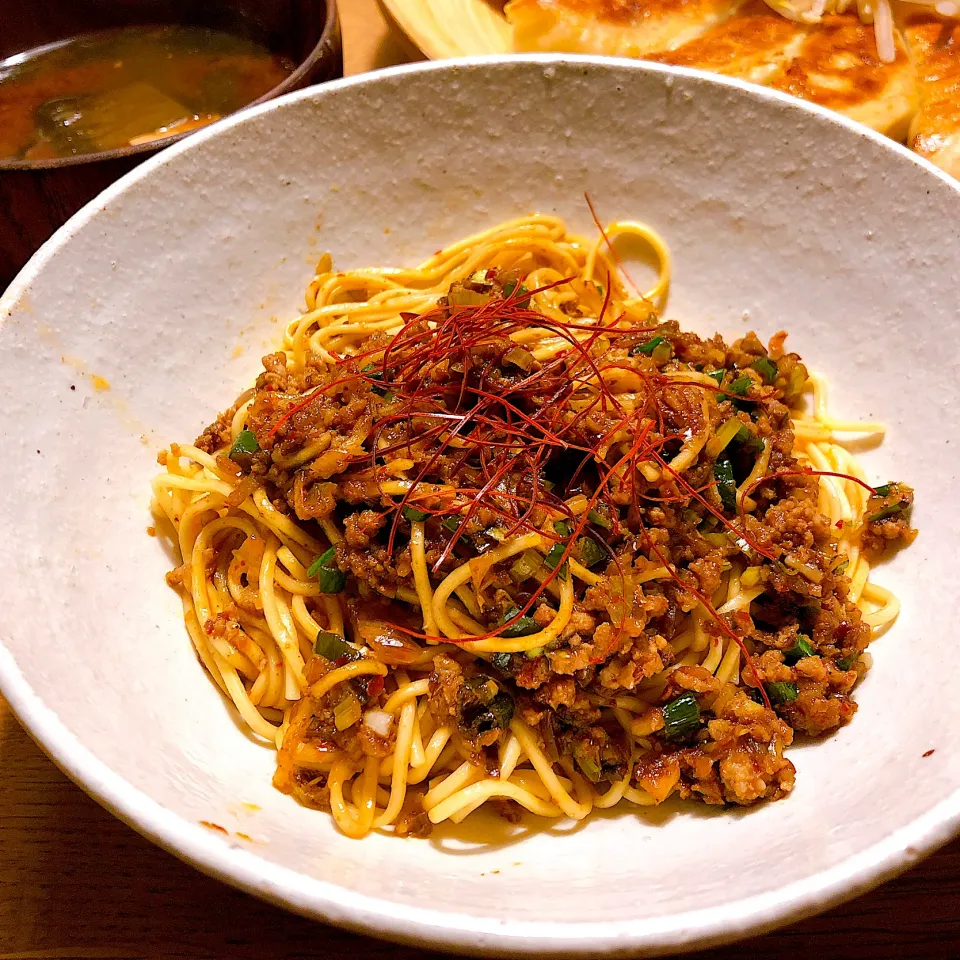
column 681, row 716
column 347, row 712
column 524, row 627
column 647, row 348
column 726, row 485
column 521, row 358
column 802, row 648
column 501, row 706
column 331, row 646
column 512, row 285
column 589, row 766
column 882, row 491
column 599, row 519
column 525, row 565
column 740, row 386
column 555, row 555
column 749, row 440
column 332, row 578
column 779, row 692
column 244, row 444
column 766, row 368
column 414, row 515
column 886, row 512
column 591, row 553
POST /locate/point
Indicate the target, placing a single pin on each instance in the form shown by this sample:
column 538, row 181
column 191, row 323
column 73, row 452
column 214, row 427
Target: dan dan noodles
column 489, row 531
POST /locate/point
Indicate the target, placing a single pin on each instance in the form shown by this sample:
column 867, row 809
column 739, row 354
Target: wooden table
column 75, row 883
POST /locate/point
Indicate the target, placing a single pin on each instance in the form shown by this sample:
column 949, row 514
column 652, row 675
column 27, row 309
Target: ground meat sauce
column 331, row 438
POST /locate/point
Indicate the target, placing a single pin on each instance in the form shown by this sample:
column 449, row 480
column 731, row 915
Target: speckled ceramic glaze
column 172, row 284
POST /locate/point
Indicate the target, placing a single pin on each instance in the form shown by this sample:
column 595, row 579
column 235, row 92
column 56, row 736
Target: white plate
column 778, row 214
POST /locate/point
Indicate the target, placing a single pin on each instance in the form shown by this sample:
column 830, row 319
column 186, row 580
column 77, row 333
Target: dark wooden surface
column 75, row 883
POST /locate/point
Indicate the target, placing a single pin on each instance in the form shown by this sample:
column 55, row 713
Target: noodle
column 351, row 689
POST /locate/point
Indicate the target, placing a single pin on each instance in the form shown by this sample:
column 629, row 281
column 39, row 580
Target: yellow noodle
column 253, row 612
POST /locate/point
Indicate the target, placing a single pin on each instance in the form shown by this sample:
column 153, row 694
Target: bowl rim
column 461, row 933
column 321, row 50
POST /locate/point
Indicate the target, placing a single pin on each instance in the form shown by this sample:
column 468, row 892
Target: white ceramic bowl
column 778, row 215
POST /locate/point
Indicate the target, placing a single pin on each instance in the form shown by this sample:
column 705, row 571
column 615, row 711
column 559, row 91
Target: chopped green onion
column 802, row 648
column 462, row 296
column 534, row 653
column 482, row 687
column 450, row 523
column 663, row 352
column 740, row 386
column 886, row 512
column 749, row 440
column 841, row 566
column 414, row 515
column 647, row 348
column 845, row 663
column 347, row 712
column 587, row 761
column 591, row 553
column 244, row 444
column 524, row 627
column 782, row 692
column 726, row 485
column 495, row 713
column 589, row 767
column 716, row 539
column 727, row 432
column 562, row 528
column 795, row 383
column 519, row 357
column 717, row 375
column 331, row 646
column 388, row 396
column 766, row 368
column 501, row 706
column 332, row 578
column 525, row 565
column 501, row 661
column 681, row 716
column 508, row 289
column 599, row 519
column 374, row 374
column 555, row 555
column 882, row 491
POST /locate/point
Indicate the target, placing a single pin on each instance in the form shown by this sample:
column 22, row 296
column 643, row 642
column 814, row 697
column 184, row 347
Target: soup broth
column 123, row 87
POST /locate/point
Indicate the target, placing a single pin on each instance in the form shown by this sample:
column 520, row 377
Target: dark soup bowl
column 89, row 90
